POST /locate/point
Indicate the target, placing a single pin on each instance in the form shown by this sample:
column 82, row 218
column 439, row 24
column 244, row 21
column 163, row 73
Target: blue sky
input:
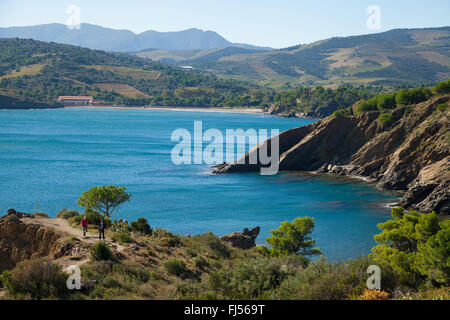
column 275, row 23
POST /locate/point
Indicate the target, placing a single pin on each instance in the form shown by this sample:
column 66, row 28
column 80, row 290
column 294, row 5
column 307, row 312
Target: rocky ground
column 410, row 154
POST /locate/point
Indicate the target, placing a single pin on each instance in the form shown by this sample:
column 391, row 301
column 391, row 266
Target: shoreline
column 188, row 109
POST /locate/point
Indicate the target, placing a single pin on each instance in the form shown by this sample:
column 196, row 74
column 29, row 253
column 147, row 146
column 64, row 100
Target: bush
column 374, row 295
column 337, row 114
column 191, row 252
column 67, row 214
column 142, row 226
column 122, row 237
column 386, row 101
column 385, row 120
column 175, row 267
column 323, row 280
column 441, row 107
column 200, row 263
column 293, row 238
column 211, row 243
column 442, row 87
column 39, row 278
column 218, row 247
column 111, row 282
column 370, row 105
column 250, row 279
column 101, row 251
column 407, row 97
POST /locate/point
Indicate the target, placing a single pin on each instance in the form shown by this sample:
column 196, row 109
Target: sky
column 274, row 23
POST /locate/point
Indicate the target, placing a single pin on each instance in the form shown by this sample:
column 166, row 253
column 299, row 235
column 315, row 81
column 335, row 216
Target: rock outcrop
column 411, row 154
column 243, row 240
column 21, row 241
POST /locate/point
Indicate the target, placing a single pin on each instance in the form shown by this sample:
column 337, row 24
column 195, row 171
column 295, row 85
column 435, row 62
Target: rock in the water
column 243, row 240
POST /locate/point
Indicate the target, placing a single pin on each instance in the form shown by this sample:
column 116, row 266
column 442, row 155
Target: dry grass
column 129, row 72
column 25, row 71
column 123, row 89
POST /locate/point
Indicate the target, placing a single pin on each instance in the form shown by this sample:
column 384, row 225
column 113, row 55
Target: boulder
column 243, row 240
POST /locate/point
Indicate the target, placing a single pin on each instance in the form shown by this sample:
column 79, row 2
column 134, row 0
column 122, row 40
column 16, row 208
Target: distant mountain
column 96, row 37
column 393, row 58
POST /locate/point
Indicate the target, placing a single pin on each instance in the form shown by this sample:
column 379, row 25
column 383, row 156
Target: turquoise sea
column 52, row 156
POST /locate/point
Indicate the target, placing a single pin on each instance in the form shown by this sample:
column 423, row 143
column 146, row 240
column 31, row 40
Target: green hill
column 41, row 71
column 394, row 58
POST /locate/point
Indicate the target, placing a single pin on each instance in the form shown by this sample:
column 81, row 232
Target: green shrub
column 175, row 267
column 293, row 238
column 142, row 226
column 323, row 280
column 200, row 263
column 250, row 279
column 386, row 101
column 67, row 214
column 385, row 120
column 217, row 246
column 407, row 97
column 441, row 107
column 38, row 278
column 442, row 87
column 191, row 252
column 122, row 237
column 370, row 105
column 415, row 246
column 101, row 251
column 111, row 282
column 337, row 114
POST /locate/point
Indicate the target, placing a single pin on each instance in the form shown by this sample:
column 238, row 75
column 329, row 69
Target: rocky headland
column 410, row 153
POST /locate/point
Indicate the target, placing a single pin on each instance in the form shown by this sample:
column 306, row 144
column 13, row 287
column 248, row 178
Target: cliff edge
column 409, row 153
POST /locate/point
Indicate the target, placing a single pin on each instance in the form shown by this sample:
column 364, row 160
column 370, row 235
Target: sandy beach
column 191, row 109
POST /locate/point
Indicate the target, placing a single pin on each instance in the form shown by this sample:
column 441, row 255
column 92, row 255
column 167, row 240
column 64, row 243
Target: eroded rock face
column 411, row 155
column 20, row 241
column 243, row 240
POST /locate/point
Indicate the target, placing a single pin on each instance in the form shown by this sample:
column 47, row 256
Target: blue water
column 52, row 156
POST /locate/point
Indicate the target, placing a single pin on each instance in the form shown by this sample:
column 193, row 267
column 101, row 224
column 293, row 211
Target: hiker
column 101, row 230
column 84, row 224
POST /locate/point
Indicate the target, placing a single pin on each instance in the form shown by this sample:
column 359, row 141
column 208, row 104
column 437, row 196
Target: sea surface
column 50, row 157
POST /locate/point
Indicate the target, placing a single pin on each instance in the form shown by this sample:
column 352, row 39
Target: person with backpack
column 84, row 224
column 101, row 230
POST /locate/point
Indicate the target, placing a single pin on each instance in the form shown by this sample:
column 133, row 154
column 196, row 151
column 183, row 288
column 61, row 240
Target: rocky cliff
column 410, row 153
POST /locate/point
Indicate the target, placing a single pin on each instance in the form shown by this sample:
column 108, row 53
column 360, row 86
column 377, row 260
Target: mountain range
column 97, row 37
column 399, row 57
column 393, row 58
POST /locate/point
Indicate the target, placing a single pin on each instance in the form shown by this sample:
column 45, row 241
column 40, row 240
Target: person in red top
column 84, row 224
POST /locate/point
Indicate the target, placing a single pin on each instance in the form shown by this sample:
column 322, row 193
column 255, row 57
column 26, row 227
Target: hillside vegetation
column 156, row 264
column 394, row 58
column 399, row 141
column 42, row 71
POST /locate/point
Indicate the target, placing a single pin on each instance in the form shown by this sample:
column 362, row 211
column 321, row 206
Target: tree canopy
column 293, row 238
column 415, row 245
column 105, row 199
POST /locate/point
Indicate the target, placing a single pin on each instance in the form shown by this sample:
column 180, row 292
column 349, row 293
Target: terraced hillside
column 393, row 58
column 40, row 71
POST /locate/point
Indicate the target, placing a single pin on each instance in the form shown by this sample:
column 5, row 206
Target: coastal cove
column 51, row 156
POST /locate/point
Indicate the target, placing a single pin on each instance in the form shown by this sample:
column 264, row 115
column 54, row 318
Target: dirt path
column 63, row 227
